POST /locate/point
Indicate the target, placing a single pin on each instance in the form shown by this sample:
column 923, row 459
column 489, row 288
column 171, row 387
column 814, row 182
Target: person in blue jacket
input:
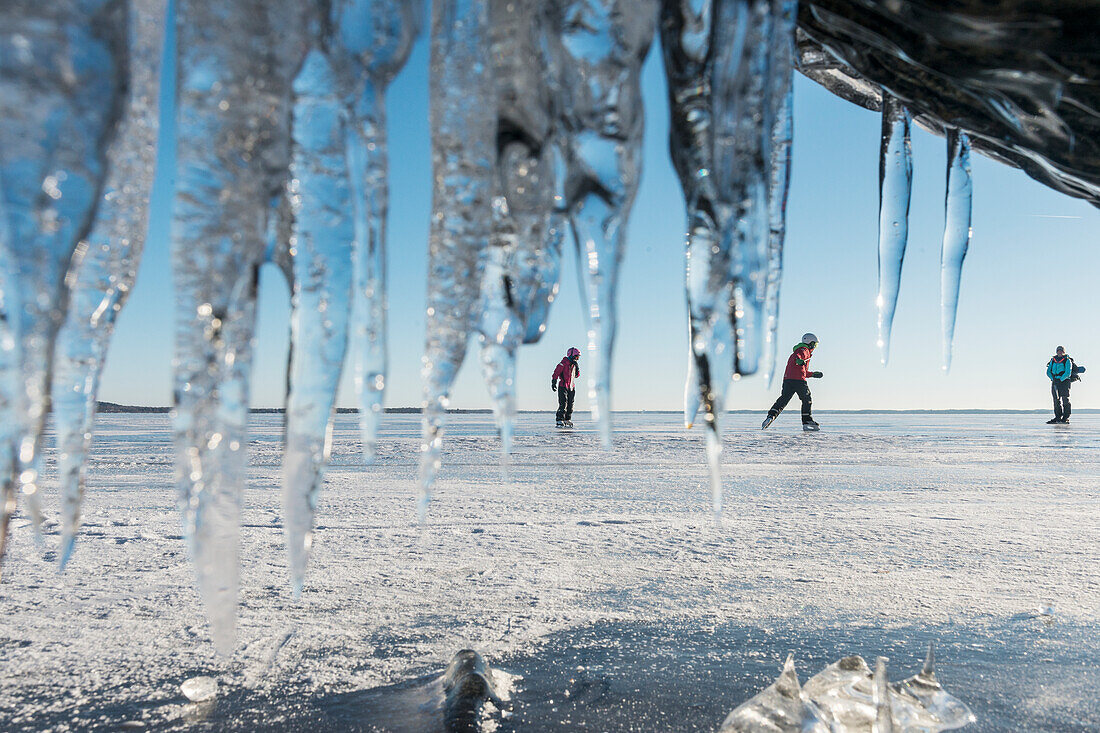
column 1060, row 372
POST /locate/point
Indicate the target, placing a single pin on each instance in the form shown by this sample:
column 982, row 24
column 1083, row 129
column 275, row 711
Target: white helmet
column 809, row 338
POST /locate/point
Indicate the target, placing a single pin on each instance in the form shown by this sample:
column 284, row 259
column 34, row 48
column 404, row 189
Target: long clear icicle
column 521, row 273
column 321, row 243
column 895, row 180
column 462, row 115
column 598, row 47
column 371, row 44
column 783, row 55
column 727, row 86
column 741, row 86
column 956, row 234
column 685, row 42
column 236, row 63
column 62, row 75
column 338, row 201
column 104, row 266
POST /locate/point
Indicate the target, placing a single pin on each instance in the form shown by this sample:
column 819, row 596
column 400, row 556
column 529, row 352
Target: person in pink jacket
column 562, row 383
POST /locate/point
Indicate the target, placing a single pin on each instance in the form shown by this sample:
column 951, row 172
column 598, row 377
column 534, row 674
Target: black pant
column 1059, row 390
column 565, row 402
column 792, row 387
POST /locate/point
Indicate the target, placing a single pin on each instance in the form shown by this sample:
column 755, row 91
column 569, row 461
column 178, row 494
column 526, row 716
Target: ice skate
column 810, row 425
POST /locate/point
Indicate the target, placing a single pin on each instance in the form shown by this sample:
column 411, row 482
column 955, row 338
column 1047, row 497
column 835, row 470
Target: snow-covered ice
column 599, row 578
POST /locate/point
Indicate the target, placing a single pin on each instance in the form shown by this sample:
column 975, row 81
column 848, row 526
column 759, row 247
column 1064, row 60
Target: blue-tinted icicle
column 693, row 398
column 105, row 264
column 598, row 47
column 337, row 197
column 895, row 176
column 60, row 84
column 880, row 698
column 232, row 159
column 321, row 243
column 462, row 116
column 956, row 234
column 371, row 44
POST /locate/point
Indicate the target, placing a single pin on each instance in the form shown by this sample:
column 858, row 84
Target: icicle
column 371, row 44
column 321, row 251
column 956, row 234
column 780, row 708
column 949, row 712
column 59, row 105
column 783, row 55
column 462, row 115
column 880, row 697
column 522, row 275
column 895, row 176
column 104, row 266
column 742, row 97
column 598, row 47
column 232, row 156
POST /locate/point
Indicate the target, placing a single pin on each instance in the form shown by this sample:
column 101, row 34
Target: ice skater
column 1061, row 371
column 562, row 383
column 794, row 383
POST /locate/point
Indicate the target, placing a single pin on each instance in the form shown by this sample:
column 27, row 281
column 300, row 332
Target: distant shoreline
column 113, row 407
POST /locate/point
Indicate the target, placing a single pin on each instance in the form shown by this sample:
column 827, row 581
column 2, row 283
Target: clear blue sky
column 1028, row 282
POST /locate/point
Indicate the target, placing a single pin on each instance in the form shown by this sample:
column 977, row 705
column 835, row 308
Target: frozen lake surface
column 597, row 578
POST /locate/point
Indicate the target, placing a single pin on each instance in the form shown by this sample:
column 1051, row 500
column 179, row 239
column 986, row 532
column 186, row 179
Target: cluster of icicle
column 847, row 697
column 895, row 186
column 536, row 126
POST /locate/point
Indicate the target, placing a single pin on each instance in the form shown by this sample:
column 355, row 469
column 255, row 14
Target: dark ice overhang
column 1021, row 77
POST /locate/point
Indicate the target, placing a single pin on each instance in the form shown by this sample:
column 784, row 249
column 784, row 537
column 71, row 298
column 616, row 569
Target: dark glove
column 553, row 387
column 816, row 375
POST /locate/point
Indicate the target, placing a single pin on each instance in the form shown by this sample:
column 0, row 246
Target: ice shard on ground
column 104, row 265
column 895, row 180
column 956, row 234
column 236, row 63
column 780, row 708
column 63, row 75
column 949, row 711
column 523, row 263
column 462, row 116
column 597, row 48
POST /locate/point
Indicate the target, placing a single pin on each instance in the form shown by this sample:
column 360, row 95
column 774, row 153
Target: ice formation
column 521, row 272
column 956, row 234
column 63, row 76
column 104, row 265
column 462, row 125
column 729, row 78
column 848, row 697
column 895, row 177
column 236, row 64
column 780, row 707
column 536, row 118
column 597, row 48
column 337, row 199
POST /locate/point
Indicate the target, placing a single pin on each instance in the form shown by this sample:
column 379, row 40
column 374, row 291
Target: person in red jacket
column 562, row 383
column 794, row 383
